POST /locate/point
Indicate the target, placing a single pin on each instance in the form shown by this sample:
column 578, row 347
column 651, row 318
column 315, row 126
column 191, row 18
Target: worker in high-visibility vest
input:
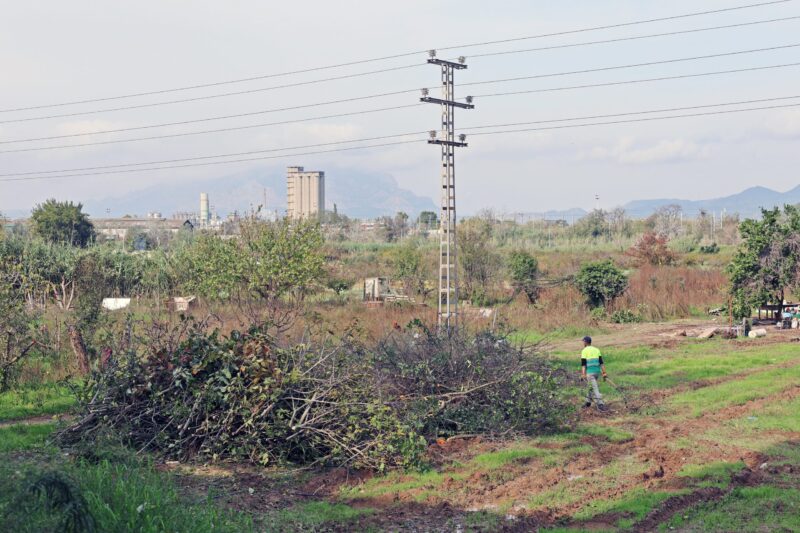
column 592, row 366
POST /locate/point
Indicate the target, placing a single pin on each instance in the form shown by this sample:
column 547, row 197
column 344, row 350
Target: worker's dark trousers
column 593, row 392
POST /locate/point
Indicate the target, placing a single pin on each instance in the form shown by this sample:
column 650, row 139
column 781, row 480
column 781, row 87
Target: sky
column 54, row 52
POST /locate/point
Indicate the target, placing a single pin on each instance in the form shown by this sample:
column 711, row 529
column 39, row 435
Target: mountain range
column 747, row 203
column 367, row 195
column 354, row 193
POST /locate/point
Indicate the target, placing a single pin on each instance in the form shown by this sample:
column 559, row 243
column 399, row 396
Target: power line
column 631, row 121
column 634, row 38
column 649, row 111
column 396, row 143
column 635, row 65
column 218, row 130
column 27, row 176
column 380, row 95
column 235, row 154
column 612, row 26
column 261, row 112
column 629, row 82
column 207, row 97
column 491, row 54
column 486, row 82
column 490, row 95
column 394, row 56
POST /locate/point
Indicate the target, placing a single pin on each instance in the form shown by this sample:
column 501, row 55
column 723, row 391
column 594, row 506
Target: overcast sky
column 55, row 51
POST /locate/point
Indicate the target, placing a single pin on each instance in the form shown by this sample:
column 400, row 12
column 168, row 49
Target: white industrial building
column 305, row 193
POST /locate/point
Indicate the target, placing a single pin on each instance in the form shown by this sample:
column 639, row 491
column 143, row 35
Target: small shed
column 376, row 289
column 181, row 303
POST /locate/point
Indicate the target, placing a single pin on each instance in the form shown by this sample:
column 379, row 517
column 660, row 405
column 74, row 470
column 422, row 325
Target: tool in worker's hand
column 619, row 389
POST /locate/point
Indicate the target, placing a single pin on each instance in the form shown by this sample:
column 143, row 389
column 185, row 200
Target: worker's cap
column 587, row 339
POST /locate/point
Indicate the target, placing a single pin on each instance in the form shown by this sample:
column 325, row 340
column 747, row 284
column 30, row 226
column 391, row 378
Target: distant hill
column 747, row 203
column 356, row 194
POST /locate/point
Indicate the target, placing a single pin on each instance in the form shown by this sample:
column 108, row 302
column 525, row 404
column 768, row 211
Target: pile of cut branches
column 337, row 402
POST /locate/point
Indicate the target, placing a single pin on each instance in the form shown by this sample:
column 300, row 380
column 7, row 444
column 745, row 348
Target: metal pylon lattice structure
column 446, row 138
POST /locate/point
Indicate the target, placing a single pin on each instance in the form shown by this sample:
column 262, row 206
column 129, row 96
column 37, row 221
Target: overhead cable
column 490, row 95
column 634, row 38
column 218, row 130
column 39, row 176
column 630, row 82
column 396, row 56
column 632, row 65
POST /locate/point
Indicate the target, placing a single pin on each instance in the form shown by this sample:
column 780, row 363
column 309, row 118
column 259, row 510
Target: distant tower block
column 305, row 193
column 205, row 213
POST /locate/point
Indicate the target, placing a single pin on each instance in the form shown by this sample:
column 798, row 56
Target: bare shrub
column 652, row 249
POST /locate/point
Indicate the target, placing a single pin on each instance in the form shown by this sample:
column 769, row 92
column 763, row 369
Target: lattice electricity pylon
column 448, row 264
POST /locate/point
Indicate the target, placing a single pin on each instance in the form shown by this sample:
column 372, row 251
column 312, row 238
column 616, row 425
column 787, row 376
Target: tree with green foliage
column 409, row 267
column 272, row 264
column 767, row 262
column 524, row 272
column 62, row 223
column 478, row 258
column 18, row 327
column 594, row 225
column 428, row 220
column 601, row 282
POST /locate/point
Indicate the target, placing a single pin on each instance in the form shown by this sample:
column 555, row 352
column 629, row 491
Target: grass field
column 709, row 441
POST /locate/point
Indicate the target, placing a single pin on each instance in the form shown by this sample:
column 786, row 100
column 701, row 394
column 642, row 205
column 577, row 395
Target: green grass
column 608, row 433
column 48, row 399
column 738, row 391
column 777, row 416
column 711, row 474
column 565, row 332
column 498, row 459
column 647, row 368
column 24, row 437
column 745, row 509
column 120, row 497
column 312, row 515
column 394, row 483
column 632, row 507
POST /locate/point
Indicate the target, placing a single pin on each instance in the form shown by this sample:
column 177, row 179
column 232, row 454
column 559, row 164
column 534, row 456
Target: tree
column 339, row 284
column 274, row 263
column 524, row 271
column 408, row 265
column 601, row 282
column 428, row 220
column 478, row 258
column 593, row 225
column 17, row 330
column 767, row 262
column 62, row 223
column 619, row 223
column 651, row 249
column 667, row 221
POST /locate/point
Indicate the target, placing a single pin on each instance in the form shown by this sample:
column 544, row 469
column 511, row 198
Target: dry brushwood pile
column 245, row 396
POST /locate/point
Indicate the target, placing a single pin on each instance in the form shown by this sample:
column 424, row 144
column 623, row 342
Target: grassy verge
column 27, row 402
column 21, row 437
column 762, row 508
column 737, row 392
